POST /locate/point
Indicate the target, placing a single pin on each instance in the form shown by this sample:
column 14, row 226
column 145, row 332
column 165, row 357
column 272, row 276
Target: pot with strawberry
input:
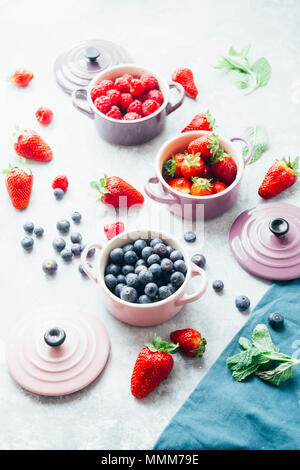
column 128, row 103
column 198, row 171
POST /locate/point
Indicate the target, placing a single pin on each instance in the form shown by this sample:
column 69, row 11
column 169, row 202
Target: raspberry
column 122, row 84
column 44, row 115
column 149, row 107
column 114, row 113
column 155, row 95
column 127, row 76
column 136, row 87
column 135, row 107
column 149, row 82
column 61, row 182
column 131, row 116
column 125, row 100
column 114, row 96
column 101, row 88
column 103, row 104
column 111, row 230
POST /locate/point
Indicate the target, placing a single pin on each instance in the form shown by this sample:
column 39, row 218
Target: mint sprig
column 258, row 137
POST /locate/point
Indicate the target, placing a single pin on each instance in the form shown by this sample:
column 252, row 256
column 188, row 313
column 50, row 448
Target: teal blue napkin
column 224, row 414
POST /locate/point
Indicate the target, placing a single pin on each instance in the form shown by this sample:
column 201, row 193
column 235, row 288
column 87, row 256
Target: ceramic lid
column 265, row 240
column 57, row 351
column 76, row 67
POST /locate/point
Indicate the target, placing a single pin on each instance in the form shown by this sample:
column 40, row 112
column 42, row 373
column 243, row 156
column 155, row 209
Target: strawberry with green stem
column 201, row 122
column 208, row 145
column 172, row 167
column 201, row 187
column 19, row 182
column 192, row 165
column 280, row 176
column 117, row 192
column 190, row 342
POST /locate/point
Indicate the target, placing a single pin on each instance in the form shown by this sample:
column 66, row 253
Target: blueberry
column 129, row 294
column 63, row 226
column 180, row 265
column 118, row 288
column 132, row 280
column 218, row 285
column 166, row 265
column 112, row 269
column 170, row 249
column 81, row 270
column 151, row 289
column 76, row 237
column 154, row 242
column 39, row 232
column 146, row 252
column 276, row 320
column 66, row 255
column 28, row 227
column 121, row 279
column 140, row 268
column 110, row 281
column 76, row 217
column 171, row 288
column 199, row 260
column 242, row 303
column 127, row 268
column 128, row 247
column 164, row 292
column 153, row 259
column 49, row 266
column 59, row 244
column 140, row 262
column 145, row 277
column 175, row 255
column 160, row 249
column 130, row 257
column 139, row 245
column 27, row 243
column 190, row 237
column 144, row 299
column 177, row 279
column 91, row 253
column 116, row 256
column 76, row 249
column 155, row 269
column 58, row 193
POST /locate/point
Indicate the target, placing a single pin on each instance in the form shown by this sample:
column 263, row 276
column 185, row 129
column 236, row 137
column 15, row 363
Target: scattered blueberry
column 81, row 270
column 242, row 303
column 28, row 227
column 63, row 226
column 166, row 265
column 39, row 232
column 276, row 320
column 66, row 255
column 130, row 257
column 110, row 281
column 128, row 247
column 190, row 237
column 58, row 193
column 145, row 277
column 121, row 279
column 132, row 280
column 153, row 259
column 175, row 255
column 49, row 266
column 112, row 269
column 164, row 292
column 151, row 289
column 139, row 245
column 76, row 217
column 155, row 241
column 199, row 260
column 218, row 285
column 144, row 299
column 177, row 279
column 127, row 268
column 129, row 294
column 76, row 237
column 76, row 249
column 91, row 253
column 59, row 244
column 140, row 268
column 180, row 265
column 155, row 269
column 118, row 288
column 27, row 243
column 116, row 256
column 146, row 252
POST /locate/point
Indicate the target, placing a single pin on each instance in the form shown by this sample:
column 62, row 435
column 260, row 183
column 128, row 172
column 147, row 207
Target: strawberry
column 114, row 113
column 201, row 122
column 184, row 76
column 114, row 96
column 149, row 107
column 135, row 107
column 149, row 82
column 117, row 192
column 111, row 230
column 44, row 115
column 172, row 167
column 21, row 77
column 19, row 183
column 224, row 168
column 218, row 187
column 101, row 89
column 61, row 182
column 280, row 176
column 31, row 145
column 123, row 84
column 131, row 116
column 190, row 342
column 153, row 365
column 125, row 100
column 192, row 165
column 181, row 184
column 103, row 104
column 208, row 145
column 136, row 87
column 201, row 187
column 207, row 173
column 155, row 95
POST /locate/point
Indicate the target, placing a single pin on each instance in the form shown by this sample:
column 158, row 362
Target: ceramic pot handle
column 171, row 107
column 90, row 272
column 187, row 298
column 248, row 144
column 168, row 199
column 77, row 103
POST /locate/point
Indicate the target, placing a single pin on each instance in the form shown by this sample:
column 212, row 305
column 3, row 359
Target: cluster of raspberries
column 127, row 97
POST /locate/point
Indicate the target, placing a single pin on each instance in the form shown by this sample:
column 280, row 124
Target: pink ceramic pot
column 144, row 314
column 192, row 207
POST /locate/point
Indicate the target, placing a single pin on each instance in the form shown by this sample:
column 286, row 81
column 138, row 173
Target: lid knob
column 55, row 336
column 279, row 227
column 91, row 53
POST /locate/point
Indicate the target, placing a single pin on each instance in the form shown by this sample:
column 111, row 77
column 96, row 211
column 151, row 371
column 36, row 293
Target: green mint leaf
column 245, row 343
column 94, row 185
column 240, row 375
column 239, row 79
column 259, row 139
column 262, row 70
column 278, row 375
column 262, row 340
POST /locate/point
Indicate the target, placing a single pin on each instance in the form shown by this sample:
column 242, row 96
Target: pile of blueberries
column 145, row 271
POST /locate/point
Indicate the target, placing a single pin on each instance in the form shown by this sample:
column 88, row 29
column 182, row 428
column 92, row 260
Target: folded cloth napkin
column 223, row 414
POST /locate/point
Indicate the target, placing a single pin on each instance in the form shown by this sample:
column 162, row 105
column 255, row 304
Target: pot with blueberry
column 144, row 276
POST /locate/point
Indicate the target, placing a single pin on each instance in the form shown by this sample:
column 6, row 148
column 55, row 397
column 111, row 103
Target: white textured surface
column 162, row 35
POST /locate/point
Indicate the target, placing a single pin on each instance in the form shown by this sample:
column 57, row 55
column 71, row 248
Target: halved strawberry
column 201, row 122
column 181, row 184
column 111, row 230
column 201, row 187
column 192, row 166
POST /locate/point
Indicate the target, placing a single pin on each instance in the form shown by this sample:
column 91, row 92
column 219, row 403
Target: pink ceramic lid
column 266, row 240
column 57, row 351
column 76, row 67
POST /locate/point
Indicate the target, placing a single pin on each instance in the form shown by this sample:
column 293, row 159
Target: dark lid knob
column 279, row 227
column 55, row 336
column 91, row 53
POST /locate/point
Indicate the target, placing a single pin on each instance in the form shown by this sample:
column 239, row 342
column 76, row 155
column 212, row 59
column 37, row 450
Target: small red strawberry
column 153, row 365
column 19, row 183
column 149, row 107
column 208, row 145
column 21, row 77
column 101, row 89
column 201, row 122
column 190, row 342
column 114, row 96
column 61, row 182
column 280, row 176
column 192, row 166
column 131, row 116
column 111, row 230
column 114, row 113
column 117, row 192
column 123, row 84
column 181, row 185
column 172, row 167
column 149, row 82
column 44, row 115
column 207, row 173
column 103, row 104
column 201, row 187
column 218, row 187
column 31, row 145
column 224, row 168
column 125, row 100
column 135, row 107
column 136, row 87
column 155, row 95
column 185, row 77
